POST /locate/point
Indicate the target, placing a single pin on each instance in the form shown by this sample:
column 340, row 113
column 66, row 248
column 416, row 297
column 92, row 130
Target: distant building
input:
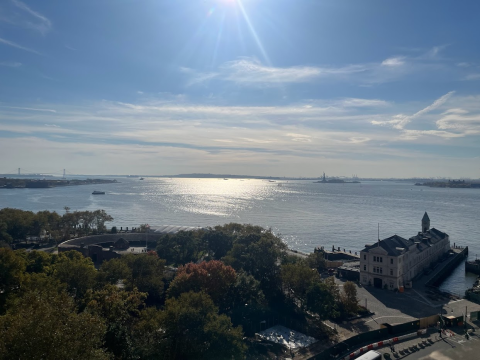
column 121, row 244
column 393, row 262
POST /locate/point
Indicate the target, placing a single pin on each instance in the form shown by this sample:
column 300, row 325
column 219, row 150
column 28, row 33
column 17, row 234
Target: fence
column 373, row 336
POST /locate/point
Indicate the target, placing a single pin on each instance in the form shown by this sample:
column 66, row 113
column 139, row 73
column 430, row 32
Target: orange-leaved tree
column 212, row 277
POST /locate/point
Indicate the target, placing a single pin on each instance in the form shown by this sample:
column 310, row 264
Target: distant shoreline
column 8, row 183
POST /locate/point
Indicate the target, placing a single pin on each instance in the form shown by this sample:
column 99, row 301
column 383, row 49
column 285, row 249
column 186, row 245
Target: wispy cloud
column 15, row 45
column 399, row 121
column 251, row 72
column 472, row 77
column 13, row 64
column 31, row 19
column 394, row 61
column 338, row 129
column 28, row 108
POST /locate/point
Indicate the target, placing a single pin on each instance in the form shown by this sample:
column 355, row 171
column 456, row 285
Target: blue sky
column 261, row 87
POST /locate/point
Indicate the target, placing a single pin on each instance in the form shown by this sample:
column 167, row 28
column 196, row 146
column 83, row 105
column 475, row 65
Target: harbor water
column 303, row 213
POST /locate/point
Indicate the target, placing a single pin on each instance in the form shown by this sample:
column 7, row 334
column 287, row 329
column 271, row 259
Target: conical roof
column 425, row 217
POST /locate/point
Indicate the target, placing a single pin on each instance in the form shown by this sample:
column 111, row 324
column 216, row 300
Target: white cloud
column 28, row 108
column 353, row 102
column 399, row 121
column 472, row 77
column 12, row 44
column 251, row 72
column 248, row 71
column 11, row 64
column 394, row 61
column 218, row 134
column 33, row 19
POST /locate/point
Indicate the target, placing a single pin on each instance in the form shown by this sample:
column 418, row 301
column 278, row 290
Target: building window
column 391, row 272
column 375, row 258
column 380, row 270
column 365, row 267
column 364, row 257
column 381, row 259
column 391, row 261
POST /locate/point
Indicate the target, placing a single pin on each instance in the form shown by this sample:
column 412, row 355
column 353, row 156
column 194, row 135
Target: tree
column 76, row 271
column 194, row 330
column 19, row 223
column 39, row 262
column 245, row 291
column 112, row 271
column 44, row 324
column 147, row 336
column 349, row 298
column 322, row 298
column 120, row 310
column 213, row 277
column 181, row 248
column 316, row 261
column 12, row 268
column 145, row 273
column 297, row 278
column 218, row 242
column 258, row 255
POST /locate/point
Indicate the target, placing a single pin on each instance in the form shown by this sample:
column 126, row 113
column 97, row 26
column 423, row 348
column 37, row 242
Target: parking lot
column 434, row 347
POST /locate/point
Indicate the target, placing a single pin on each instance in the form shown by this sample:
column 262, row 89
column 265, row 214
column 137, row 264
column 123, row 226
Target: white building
column 395, row 261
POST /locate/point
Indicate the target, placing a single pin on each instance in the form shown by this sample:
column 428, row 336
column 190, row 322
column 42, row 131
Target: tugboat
column 98, row 192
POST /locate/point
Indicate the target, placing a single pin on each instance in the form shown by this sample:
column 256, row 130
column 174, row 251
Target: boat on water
column 142, row 179
column 271, row 180
column 473, row 266
column 225, row 179
column 98, row 192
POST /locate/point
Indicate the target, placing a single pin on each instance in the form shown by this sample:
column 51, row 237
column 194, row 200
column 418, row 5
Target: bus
column 371, row 355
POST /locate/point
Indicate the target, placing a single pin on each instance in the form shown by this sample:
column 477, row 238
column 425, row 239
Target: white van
column 371, row 355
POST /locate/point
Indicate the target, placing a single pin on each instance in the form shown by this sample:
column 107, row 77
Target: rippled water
column 304, row 213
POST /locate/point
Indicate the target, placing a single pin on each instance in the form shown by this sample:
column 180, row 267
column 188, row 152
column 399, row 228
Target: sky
column 259, row 87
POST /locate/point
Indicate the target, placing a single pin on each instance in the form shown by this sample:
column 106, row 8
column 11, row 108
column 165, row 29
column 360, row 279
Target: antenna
column 378, row 234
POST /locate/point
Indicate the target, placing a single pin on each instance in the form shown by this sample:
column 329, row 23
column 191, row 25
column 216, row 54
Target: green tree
column 194, row 330
column 258, row 255
column 147, row 338
column 322, row 298
column 19, row 223
column 44, row 324
column 145, row 273
column 120, row 310
column 76, row 271
column 297, row 278
column 12, row 268
column 245, row 291
column 112, row 271
column 39, row 262
column 217, row 242
column 316, row 261
column 349, row 297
